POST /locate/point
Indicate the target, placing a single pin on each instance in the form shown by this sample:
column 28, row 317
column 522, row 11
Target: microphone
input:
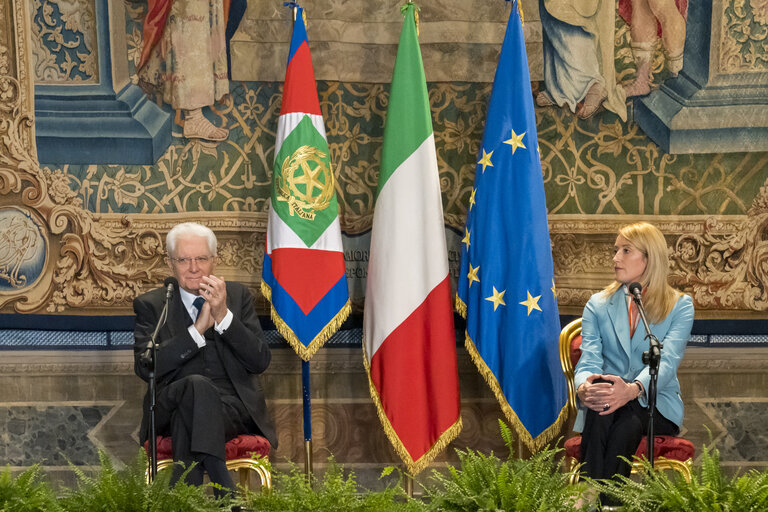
column 170, row 284
column 147, row 358
column 636, row 291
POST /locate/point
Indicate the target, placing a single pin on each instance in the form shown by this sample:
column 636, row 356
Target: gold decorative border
column 305, row 352
column 534, row 444
column 721, row 261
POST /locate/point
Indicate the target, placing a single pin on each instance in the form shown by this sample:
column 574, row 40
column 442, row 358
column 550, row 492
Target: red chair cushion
column 244, row 446
column 164, row 450
column 575, row 350
column 572, row 447
column 670, row 447
column 241, row 447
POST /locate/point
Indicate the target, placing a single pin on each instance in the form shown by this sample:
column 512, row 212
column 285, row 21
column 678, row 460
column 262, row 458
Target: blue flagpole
column 307, row 409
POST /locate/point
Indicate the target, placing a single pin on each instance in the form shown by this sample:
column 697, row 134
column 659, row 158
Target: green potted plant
column 710, row 489
column 333, row 492
column 487, row 483
column 27, row 492
column 126, row 490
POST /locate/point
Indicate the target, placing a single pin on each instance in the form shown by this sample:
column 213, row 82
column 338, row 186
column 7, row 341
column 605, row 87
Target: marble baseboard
column 61, row 406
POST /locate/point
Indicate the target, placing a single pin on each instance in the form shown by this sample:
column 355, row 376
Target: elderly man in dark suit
column 209, row 354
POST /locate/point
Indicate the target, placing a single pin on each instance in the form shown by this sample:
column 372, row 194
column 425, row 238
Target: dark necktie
column 198, row 303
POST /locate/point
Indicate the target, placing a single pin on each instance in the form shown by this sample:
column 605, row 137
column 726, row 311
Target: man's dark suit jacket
column 242, row 349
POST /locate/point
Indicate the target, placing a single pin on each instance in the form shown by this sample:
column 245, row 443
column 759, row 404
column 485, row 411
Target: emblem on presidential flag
column 304, row 172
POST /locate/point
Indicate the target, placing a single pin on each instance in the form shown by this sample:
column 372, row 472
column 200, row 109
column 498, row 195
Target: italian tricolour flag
column 303, row 276
column 408, row 339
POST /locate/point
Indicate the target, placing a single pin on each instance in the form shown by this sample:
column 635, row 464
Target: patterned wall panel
column 745, row 23
column 591, row 167
column 102, row 226
column 63, row 42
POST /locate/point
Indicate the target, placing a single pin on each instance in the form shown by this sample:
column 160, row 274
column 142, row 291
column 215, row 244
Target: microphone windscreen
column 171, row 280
column 635, row 288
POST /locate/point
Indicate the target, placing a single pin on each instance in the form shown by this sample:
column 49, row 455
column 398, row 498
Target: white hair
column 186, row 229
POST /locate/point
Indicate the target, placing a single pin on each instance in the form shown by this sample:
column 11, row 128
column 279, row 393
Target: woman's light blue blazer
column 607, row 349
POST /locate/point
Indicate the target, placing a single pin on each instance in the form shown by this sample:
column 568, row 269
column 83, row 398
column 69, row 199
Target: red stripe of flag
column 307, row 274
column 414, row 371
column 300, row 91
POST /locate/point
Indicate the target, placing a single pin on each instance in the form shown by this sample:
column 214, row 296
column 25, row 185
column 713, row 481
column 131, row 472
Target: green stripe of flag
column 409, row 120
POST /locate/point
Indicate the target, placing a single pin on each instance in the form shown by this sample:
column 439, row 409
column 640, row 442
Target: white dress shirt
column 187, row 299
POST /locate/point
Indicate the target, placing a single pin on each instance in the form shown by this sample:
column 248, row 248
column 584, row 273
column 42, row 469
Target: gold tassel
column 414, row 467
column 305, row 352
column 543, row 439
column 460, row 307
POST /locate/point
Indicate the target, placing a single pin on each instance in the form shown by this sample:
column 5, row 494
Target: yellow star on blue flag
column 485, row 160
column 510, row 241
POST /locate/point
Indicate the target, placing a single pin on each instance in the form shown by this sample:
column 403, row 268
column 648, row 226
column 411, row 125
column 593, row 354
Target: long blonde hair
column 659, row 298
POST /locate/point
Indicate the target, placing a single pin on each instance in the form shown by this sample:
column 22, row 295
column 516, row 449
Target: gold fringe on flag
column 414, row 467
column 460, row 307
column 543, row 439
column 305, row 352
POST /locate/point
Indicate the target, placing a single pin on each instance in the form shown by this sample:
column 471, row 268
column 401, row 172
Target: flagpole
column 307, row 409
column 409, row 477
column 306, row 398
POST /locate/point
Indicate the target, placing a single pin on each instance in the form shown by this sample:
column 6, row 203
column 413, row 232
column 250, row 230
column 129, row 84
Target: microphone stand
column 150, row 358
column 651, row 357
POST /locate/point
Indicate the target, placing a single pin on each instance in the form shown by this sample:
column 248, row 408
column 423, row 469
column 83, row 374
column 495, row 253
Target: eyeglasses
column 200, row 260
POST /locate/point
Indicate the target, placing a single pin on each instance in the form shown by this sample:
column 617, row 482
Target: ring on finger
column 606, row 407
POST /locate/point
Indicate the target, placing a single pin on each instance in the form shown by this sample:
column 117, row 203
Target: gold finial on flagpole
column 519, row 9
column 416, row 9
column 295, row 11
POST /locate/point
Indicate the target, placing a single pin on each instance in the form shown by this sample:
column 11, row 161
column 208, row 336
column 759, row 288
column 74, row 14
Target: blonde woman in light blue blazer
column 610, row 377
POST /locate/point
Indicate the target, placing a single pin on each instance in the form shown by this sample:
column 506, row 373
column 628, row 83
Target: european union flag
column 506, row 286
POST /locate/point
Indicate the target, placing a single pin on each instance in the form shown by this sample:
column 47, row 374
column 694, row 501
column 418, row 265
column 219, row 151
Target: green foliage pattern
column 710, row 489
column 481, row 482
column 487, row 483
column 126, row 490
column 26, row 493
column 334, row 492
